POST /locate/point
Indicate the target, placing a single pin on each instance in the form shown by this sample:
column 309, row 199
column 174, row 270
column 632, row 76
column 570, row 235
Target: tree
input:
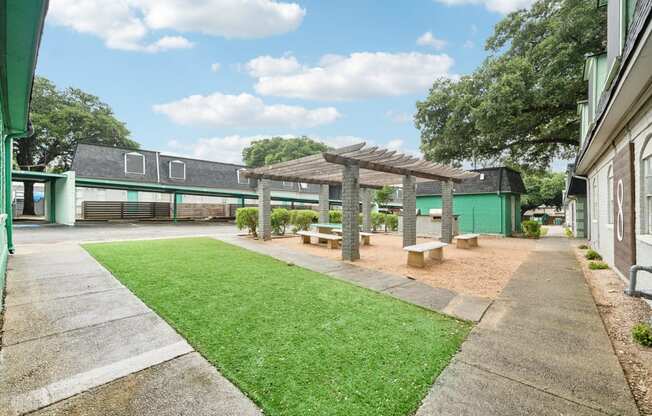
column 520, row 105
column 543, row 189
column 383, row 195
column 278, row 149
column 61, row 119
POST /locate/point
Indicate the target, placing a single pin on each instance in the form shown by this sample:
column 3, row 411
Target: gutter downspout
column 502, row 206
column 8, row 160
column 631, row 291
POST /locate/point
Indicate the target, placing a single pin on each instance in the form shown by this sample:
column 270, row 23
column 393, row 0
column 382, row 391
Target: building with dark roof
column 146, row 166
column 489, row 203
column 198, row 188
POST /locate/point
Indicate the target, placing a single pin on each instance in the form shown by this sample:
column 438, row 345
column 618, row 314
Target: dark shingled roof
column 106, row 162
column 491, row 180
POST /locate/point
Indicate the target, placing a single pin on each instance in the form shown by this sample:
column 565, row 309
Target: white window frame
column 142, row 156
column 240, row 177
column 594, row 200
column 170, row 169
column 610, row 195
column 646, row 183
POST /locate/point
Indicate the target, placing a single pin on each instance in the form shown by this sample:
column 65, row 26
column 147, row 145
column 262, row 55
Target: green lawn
column 295, row 341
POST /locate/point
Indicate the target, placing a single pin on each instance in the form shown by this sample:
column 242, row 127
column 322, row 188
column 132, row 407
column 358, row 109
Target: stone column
column 447, row 211
column 366, row 197
column 324, row 204
column 264, row 210
column 350, row 209
column 409, row 211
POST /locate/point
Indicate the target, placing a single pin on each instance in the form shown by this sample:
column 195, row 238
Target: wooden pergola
column 354, row 167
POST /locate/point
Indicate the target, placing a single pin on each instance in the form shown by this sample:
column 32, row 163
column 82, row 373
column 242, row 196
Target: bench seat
column 332, row 240
column 364, row 237
column 466, row 240
column 417, row 251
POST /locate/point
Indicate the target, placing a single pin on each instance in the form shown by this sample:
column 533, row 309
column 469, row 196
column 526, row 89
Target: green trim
column 4, row 257
column 52, row 205
column 22, row 25
column 186, row 190
column 174, row 206
column 9, row 224
column 35, row 176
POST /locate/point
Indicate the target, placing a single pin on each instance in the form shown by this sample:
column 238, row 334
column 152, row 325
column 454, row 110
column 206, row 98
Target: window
column 177, row 169
column 287, row 184
column 134, row 163
column 594, row 200
column 610, row 195
column 243, row 180
column 647, row 187
column 303, row 185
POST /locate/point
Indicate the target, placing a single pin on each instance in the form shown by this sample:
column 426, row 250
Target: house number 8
column 620, row 220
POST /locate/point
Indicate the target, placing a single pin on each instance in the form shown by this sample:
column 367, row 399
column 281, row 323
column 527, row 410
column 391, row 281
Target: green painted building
column 21, row 25
column 489, row 203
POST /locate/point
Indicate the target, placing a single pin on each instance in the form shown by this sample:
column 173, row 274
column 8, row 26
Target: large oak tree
column 61, row 119
column 279, row 149
column 520, row 105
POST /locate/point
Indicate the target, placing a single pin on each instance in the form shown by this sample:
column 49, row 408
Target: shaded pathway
column 540, row 349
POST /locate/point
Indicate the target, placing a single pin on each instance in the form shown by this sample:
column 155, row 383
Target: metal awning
column 378, row 167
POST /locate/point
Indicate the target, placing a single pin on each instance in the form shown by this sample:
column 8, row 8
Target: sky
column 204, row 78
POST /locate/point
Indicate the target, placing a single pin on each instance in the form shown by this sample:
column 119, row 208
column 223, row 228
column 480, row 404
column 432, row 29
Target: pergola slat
column 353, row 167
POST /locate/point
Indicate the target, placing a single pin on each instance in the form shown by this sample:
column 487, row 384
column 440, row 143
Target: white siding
column 602, row 233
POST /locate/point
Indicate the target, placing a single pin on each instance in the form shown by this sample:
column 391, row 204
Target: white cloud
column 398, row 116
column 169, row 42
column 265, row 66
column 499, row 6
column 229, row 148
column 359, row 75
column 226, row 149
column 243, row 110
column 215, row 67
column 126, row 24
column 428, row 39
column 469, row 44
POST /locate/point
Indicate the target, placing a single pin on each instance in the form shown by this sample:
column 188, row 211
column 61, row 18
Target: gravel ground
column 619, row 314
column 482, row 271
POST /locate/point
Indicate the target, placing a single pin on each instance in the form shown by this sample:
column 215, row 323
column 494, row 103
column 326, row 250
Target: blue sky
column 205, row 77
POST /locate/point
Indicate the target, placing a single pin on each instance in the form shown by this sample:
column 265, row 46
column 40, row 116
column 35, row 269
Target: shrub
column 598, row 265
column 335, row 217
column 302, row 218
column 592, row 255
column 583, row 247
column 642, row 333
column 391, row 222
column 247, row 218
column 531, row 229
column 568, row 232
column 377, row 219
column 280, row 220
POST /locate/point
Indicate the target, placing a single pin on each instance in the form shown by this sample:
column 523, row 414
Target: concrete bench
column 364, row 237
column 466, row 240
column 417, row 251
column 332, row 240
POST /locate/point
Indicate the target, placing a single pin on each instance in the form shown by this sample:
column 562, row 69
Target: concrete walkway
column 467, row 307
column 76, row 341
column 541, row 349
